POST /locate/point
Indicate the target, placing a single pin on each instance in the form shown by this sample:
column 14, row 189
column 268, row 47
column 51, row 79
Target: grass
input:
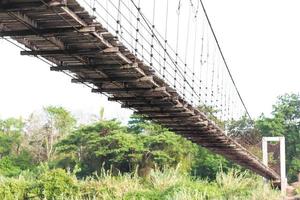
column 167, row 185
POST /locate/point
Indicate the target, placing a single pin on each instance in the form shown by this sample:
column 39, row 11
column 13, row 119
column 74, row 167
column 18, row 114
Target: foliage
column 8, row 167
column 60, row 119
column 8, row 143
column 52, row 184
column 111, row 161
column 10, row 136
column 211, row 114
column 137, row 124
column 14, row 164
column 12, row 126
column 45, row 130
column 168, row 185
column 14, row 158
column 108, row 144
column 285, row 121
column 297, row 190
column 208, row 164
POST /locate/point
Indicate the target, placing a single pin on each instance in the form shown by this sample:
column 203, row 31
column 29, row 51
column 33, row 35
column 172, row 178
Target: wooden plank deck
column 78, row 44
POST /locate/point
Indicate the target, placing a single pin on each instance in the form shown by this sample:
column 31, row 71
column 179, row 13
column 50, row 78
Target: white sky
column 27, row 84
column 260, row 40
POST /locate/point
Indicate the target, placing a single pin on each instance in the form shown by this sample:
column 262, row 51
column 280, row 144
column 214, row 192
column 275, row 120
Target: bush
column 13, row 188
column 56, row 184
column 8, row 167
column 167, row 185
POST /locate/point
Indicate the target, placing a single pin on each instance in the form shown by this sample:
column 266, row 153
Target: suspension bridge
column 160, row 58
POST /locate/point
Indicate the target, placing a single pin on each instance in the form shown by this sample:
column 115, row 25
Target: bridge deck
column 65, row 34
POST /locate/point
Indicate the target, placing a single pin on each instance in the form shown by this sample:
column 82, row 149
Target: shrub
column 13, row 188
column 8, row 167
column 167, row 185
column 56, row 184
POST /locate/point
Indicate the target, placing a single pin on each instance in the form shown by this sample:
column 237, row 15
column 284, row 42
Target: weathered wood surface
column 78, row 44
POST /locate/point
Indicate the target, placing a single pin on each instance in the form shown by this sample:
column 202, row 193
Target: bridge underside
column 63, row 33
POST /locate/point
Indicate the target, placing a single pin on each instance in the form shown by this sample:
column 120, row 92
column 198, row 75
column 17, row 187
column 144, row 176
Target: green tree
column 208, row 164
column 285, row 121
column 46, row 129
column 59, row 123
column 211, row 114
column 12, row 126
column 109, row 144
column 13, row 156
column 91, row 146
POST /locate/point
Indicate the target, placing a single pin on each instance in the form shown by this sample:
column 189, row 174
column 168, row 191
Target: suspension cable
column 224, row 60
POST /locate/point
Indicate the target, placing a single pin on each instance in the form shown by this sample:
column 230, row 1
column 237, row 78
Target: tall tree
column 285, row 121
column 59, row 123
column 46, row 129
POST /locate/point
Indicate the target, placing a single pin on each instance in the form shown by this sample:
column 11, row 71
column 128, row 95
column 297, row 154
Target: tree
column 285, row 121
column 59, row 120
column 59, row 123
column 14, row 157
column 11, row 130
column 95, row 145
column 108, row 144
column 211, row 114
column 7, row 144
column 12, row 126
column 208, row 164
column 46, row 129
column 137, row 124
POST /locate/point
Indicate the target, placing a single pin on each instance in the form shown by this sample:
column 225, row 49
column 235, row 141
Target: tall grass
column 169, row 185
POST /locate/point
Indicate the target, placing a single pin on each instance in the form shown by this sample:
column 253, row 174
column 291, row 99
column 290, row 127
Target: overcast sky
column 260, row 39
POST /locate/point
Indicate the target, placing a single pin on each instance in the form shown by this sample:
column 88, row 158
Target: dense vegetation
column 285, row 121
column 169, row 185
column 49, row 155
column 52, row 137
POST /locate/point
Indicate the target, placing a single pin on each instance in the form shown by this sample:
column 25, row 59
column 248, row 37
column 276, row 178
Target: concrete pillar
column 265, row 153
column 282, row 166
column 281, row 140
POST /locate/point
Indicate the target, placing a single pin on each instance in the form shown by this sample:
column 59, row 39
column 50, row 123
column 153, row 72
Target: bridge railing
column 174, row 37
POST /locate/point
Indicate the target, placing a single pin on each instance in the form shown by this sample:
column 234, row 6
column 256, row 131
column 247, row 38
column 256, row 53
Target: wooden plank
column 200, row 130
column 183, row 123
column 193, row 118
column 132, row 89
column 176, row 119
column 218, row 146
column 83, row 23
column 113, row 79
column 111, row 50
column 204, row 136
column 147, row 105
column 47, row 31
column 10, row 5
column 184, row 127
column 60, row 51
column 171, row 112
column 133, row 98
column 99, row 36
column 84, row 67
column 34, row 25
column 94, row 67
